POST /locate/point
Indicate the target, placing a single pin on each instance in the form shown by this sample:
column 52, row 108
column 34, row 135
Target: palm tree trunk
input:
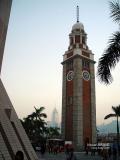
column 117, row 134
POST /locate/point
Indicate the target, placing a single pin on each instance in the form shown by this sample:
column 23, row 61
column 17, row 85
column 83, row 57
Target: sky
column 36, row 40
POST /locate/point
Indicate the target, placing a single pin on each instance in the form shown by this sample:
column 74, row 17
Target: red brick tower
column 78, row 93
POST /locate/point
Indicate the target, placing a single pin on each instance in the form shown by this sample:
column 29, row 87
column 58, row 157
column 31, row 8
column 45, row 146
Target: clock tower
column 78, row 90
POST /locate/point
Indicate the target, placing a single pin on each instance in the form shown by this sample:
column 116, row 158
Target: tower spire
column 77, row 13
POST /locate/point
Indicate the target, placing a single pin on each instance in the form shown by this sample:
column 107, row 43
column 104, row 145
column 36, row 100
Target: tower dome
column 78, row 25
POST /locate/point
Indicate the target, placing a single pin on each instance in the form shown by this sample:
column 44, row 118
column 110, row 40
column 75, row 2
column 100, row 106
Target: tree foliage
column 36, row 126
column 116, row 114
column 111, row 55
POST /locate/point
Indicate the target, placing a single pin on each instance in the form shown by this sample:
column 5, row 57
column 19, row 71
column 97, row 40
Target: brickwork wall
column 87, row 130
column 63, row 102
column 69, row 112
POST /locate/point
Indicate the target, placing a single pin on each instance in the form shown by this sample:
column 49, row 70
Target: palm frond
column 109, row 59
column 43, row 115
column 110, row 115
column 39, row 110
column 116, row 110
column 115, row 11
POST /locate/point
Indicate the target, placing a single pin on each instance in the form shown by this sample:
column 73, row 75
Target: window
column 83, row 39
column 77, row 39
column 70, row 65
column 71, row 40
column 85, row 64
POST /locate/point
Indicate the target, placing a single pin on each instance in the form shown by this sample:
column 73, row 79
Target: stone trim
column 93, row 103
column 77, row 105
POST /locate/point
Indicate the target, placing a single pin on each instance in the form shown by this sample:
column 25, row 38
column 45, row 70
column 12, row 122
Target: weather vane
column 77, row 13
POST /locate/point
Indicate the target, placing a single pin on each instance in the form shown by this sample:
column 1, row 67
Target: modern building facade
column 78, row 90
column 12, row 134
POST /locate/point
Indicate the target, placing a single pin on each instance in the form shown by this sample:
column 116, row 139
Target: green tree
column 35, row 125
column 117, row 115
column 28, row 126
column 111, row 55
column 38, row 114
column 53, row 132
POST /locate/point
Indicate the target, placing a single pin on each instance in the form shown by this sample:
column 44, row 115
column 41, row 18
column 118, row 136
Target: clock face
column 86, row 75
column 70, row 76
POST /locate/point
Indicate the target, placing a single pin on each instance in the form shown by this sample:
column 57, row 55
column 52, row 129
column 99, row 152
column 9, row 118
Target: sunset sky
column 36, row 41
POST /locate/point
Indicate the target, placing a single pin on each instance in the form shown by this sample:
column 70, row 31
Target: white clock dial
column 70, row 76
column 86, row 75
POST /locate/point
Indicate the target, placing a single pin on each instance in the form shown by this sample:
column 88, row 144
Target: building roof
column 78, row 25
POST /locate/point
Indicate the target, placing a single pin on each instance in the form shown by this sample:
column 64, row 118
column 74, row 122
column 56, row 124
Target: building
column 12, row 134
column 78, row 90
column 55, row 118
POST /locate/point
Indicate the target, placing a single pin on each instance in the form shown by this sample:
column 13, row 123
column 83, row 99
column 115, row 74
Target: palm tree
column 39, row 113
column 115, row 114
column 28, row 126
column 39, row 123
column 35, row 124
column 111, row 55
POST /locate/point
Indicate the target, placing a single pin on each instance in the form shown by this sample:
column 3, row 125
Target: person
column 86, row 150
column 67, row 152
column 109, row 153
column 104, row 154
column 19, row 155
column 114, row 149
column 114, row 152
column 71, row 155
column 43, row 148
